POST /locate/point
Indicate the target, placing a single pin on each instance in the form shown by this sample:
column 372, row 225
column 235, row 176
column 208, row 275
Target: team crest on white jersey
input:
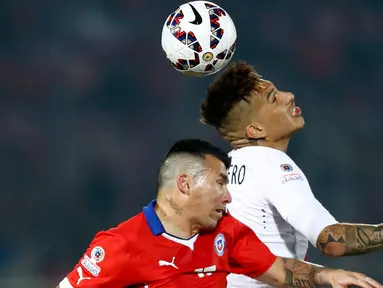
column 97, row 254
column 286, row 167
column 219, row 244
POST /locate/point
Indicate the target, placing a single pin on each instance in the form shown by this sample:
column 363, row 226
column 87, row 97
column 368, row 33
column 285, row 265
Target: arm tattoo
column 350, row 239
column 300, row 274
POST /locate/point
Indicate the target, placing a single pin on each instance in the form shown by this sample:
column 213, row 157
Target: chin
column 211, row 225
column 299, row 123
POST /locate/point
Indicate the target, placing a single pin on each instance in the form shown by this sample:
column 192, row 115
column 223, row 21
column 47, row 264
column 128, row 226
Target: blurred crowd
column 89, row 106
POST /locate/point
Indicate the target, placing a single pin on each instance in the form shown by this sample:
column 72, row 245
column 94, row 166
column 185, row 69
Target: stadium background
column 89, row 106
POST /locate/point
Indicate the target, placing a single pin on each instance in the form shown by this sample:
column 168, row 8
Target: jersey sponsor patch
column 286, row 167
column 97, row 254
column 89, row 265
column 219, row 244
column 291, row 177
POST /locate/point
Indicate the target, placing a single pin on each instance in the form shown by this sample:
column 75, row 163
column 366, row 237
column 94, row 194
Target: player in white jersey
column 270, row 193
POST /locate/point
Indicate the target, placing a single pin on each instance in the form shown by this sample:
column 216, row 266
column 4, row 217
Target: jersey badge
column 286, row 167
column 97, row 254
column 292, row 177
column 89, row 265
column 219, row 244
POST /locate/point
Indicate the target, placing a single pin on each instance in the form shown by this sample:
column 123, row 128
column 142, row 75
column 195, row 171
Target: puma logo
column 166, row 263
column 198, row 18
column 80, row 277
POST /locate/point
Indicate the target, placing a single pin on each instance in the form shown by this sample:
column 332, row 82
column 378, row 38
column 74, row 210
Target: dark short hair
column 198, row 148
column 234, row 85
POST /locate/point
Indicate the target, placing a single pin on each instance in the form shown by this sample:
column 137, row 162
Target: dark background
column 89, row 105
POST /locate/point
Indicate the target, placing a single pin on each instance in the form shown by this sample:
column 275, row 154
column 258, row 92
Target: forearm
column 295, row 273
column 344, row 239
column 303, row 275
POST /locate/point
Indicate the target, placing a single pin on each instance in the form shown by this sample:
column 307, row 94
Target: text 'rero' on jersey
column 272, row 196
column 140, row 253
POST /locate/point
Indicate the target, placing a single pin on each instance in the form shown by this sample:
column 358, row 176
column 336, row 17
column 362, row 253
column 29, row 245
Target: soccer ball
column 199, row 38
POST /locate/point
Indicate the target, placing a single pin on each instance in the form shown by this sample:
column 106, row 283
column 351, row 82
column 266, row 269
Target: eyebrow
column 270, row 94
column 224, row 177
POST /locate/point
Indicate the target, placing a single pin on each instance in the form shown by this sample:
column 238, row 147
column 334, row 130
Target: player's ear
column 255, row 131
column 183, row 183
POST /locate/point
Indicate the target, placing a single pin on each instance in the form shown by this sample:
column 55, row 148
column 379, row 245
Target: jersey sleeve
column 105, row 264
column 249, row 255
column 291, row 195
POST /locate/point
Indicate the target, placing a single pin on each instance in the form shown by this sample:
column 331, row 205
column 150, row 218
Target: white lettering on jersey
column 207, row 271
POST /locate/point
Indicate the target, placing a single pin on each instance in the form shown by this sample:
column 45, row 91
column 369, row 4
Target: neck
column 173, row 220
column 281, row 144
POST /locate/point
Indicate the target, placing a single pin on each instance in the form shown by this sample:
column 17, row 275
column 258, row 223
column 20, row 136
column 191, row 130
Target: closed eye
column 271, row 96
column 223, row 179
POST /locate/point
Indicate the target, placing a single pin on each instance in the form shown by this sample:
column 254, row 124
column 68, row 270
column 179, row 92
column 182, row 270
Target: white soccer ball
column 199, row 38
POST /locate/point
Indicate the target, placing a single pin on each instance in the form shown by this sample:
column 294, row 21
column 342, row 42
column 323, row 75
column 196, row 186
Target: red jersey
column 140, row 253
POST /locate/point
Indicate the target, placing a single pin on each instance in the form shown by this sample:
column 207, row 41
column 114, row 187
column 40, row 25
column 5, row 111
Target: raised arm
column 345, row 239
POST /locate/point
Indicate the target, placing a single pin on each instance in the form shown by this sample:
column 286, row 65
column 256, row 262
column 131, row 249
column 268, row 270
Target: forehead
column 263, row 88
column 216, row 165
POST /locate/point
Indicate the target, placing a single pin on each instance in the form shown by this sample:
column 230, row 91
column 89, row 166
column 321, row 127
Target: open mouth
column 220, row 211
column 296, row 112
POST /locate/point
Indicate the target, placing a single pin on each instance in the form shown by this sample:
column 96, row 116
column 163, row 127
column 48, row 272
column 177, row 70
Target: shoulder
column 125, row 234
column 230, row 225
column 269, row 160
column 259, row 156
column 130, row 227
column 264, row 162
column 109, row 256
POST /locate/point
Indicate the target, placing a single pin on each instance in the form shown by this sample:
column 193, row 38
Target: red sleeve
column 105, row 264
column 249, row 255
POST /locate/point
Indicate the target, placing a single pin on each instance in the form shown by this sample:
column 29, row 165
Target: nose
column 285, row 97
column 227, row 197
column 290, row 96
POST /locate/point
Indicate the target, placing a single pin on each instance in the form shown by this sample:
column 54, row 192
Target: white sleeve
column 291, row 195
column 65, row 283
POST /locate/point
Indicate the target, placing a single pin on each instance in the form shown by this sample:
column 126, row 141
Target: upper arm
column 291, row 195
column 101, row 265
column 249, row 255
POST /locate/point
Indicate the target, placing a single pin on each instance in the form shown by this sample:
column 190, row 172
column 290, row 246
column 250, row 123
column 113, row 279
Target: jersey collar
column 152, row 219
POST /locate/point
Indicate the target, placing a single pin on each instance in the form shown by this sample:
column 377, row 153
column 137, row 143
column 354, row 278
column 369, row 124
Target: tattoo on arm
column 300, row 274
column 350, row 239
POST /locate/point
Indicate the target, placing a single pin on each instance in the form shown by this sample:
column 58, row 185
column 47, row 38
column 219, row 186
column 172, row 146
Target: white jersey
column 272, row 196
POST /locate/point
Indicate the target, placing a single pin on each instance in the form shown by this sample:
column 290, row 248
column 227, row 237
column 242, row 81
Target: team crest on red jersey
column 97, row 254
column 219, row 244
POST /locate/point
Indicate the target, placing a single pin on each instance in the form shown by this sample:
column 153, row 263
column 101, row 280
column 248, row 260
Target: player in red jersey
column 186, row 239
